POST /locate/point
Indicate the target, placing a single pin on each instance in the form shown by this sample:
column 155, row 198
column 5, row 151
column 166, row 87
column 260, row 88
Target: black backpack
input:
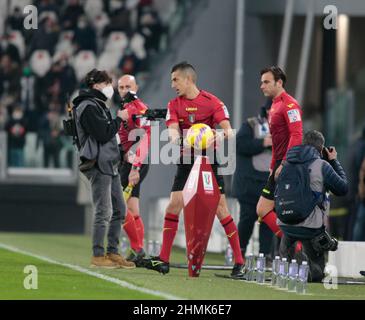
column 294, row 199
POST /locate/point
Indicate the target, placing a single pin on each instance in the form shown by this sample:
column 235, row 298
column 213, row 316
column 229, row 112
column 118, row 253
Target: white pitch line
column 119, row 282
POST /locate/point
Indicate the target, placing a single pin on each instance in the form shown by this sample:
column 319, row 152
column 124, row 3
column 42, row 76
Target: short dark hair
column 277, row 72
column 314, row 138
column 96, row 76
column 185, row 67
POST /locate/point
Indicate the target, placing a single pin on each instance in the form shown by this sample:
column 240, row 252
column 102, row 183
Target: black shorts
column 269, row 189
column 182, row 174
column 124, row 171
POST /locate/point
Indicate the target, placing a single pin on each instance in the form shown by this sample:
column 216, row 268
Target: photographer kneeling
column 302, row 203
column 100, row 156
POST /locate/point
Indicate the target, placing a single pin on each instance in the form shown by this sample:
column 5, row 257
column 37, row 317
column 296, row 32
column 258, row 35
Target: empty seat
column 84, row 61
column 116, row 42
column 93, row 8
column 137, row 46
column 64, row 44
column 109, row 60
column 40, row 62
column 165, row 9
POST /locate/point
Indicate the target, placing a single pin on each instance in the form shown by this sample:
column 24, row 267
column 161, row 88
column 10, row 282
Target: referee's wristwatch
column 135, row 168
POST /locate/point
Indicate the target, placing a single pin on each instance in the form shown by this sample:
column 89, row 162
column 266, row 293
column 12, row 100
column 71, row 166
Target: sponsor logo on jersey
column 294, row 116
column 191, row 109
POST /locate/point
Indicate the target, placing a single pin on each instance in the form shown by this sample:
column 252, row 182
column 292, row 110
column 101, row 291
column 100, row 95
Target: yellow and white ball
column 199, row 136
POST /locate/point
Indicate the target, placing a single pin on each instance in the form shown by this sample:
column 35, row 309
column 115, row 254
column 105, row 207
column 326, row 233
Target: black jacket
column 96, row 132
column 248, row 182
column 93, row 120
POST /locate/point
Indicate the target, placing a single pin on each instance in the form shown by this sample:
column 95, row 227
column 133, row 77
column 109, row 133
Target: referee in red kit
column 194, row 106
column 285, row 122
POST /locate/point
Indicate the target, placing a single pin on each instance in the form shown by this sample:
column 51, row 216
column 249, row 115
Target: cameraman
column 134, row 168
column 325, row 175
column 100, row 156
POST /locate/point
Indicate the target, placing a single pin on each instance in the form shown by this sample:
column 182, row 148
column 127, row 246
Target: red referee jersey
column 127, row 136
column 285, row 121
column 205, row 108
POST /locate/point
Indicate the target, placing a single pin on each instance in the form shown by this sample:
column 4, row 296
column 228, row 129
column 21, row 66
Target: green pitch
column 60, row 281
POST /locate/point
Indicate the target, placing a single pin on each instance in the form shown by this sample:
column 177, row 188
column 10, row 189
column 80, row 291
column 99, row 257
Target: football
column 199, row 136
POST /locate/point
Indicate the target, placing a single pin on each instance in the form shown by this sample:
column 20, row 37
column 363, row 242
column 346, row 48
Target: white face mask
column 108, row 91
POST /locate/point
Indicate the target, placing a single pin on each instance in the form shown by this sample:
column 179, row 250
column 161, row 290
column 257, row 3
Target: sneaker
column 120, row 261
column 136, row 257
column 103, row 262
column 238, row 271
column 155, row 263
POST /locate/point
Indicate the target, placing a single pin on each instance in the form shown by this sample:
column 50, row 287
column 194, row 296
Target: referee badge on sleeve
column 294, row 115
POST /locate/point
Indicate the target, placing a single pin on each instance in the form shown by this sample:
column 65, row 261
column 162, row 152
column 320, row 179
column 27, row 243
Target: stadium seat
column 17, row 39
column 165, row 9
column 116, row 42
column 40, row 62
column 93, row 8
column 64, row 44
column 18, row 3
column 48, row 14
column 131, row 4
column 100, row 21
column 109, row 60
column 84, row 61
column 137, row 45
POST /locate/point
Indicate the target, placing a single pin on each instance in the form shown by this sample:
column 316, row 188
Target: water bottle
column 293, row 274
column 229, row 256
column 124, row 246
column 275, row 271
column 260, row 266
column 283, row 273
column 250, row 267
column 156, row 248
column 150, row 249
column 303, row 278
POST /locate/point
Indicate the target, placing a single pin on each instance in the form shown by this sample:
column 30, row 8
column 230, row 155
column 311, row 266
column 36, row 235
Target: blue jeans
column 359, row 226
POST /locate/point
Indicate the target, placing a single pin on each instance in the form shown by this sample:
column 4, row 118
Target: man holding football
column 191, row 106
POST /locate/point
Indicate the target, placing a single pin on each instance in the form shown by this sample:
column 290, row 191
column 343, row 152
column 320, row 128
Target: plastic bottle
column 260, row 266
column 275, row 271
column 124, row 246
column 156, row 248
column 293, row 275
column 250, row 267
column 283, row 273
column 150, row 249
column 229, row 256
column 302, row 278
